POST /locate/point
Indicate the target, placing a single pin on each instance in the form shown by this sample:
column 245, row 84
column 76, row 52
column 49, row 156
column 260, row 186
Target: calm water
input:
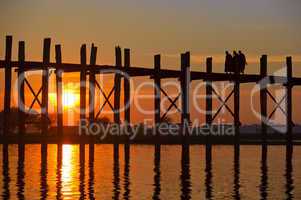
column 149, row 172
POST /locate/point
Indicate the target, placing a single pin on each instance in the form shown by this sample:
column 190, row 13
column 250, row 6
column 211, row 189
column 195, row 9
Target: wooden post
column 182, row 82
column 92, row 84
column 157, row 92
column 127, row 97
column 289, row 67
column 127, row 113
column 117, row 85
column 208, row 96
column 83, row 61
column 236, row 103
column 21, row 99
column 157, row 102
column 263, row 97
column 59, row 90
column 185, row 82
column 45, row 80
column 7, row 91
column 187, row 87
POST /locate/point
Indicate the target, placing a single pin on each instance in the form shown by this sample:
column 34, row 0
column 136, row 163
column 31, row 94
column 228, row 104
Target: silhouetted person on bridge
column 242, row 61
column 228, row 62
column 235, row 62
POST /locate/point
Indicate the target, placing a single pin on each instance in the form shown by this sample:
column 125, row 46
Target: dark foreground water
column 145, row 172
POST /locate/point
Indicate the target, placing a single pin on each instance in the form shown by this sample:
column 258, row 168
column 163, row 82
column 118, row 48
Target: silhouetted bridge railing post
column 184, row 75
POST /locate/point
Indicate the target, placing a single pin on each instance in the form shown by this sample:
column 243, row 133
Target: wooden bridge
column 91, row 69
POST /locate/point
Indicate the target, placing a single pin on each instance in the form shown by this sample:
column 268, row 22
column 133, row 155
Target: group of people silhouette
column 234, row 62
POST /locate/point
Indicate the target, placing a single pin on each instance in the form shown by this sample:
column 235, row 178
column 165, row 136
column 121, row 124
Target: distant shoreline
column 147, row 136
column 164, row 140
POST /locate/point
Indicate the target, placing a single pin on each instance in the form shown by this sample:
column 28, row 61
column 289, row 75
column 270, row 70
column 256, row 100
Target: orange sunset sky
column 205, row 28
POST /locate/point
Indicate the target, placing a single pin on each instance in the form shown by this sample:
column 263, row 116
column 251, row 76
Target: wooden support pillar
column 83, row 61
column 59, row 90
column 157, row 93
column 185, row 83
column 127, row 113
column 236, row 103
column 7, row 91
column 289, row 120
column 263, row 97
column 117, row 86
column 209, row 95
column 45, row 81
column 21, row 98
column 157, row 103
column 92, row 84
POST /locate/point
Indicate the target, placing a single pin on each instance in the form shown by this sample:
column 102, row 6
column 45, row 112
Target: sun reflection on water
column 70, row 171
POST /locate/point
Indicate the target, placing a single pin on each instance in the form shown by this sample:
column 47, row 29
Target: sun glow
column 70, row 98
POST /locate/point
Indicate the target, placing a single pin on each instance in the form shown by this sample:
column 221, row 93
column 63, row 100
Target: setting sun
column 70, row 98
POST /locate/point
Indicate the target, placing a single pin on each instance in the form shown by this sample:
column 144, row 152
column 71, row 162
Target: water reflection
column 91, row 171
column 208, row 172
column 43, row 172
column 76, row 174
column 5, row 172
column 69, row 170
column 116, row 178
column 185, row 173
column 157, row 172
column 59, row 157
column 264, row 173
column 20, row 171
column 236, row 193
column 126, row 173
column 288, row 172
column 82, row 171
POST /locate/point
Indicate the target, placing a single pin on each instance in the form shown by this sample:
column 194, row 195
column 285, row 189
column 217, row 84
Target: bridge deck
column 144, row 71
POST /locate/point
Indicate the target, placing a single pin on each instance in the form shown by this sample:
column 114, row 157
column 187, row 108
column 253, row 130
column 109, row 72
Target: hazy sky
column 206, row 27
